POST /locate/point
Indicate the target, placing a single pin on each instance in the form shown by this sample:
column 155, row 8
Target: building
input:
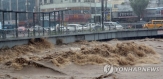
column 18, row 5
column 116, row 4
column 125, row 13
column 81, row 10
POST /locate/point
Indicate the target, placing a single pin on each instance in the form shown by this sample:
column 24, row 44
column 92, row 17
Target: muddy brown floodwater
column 39, row 59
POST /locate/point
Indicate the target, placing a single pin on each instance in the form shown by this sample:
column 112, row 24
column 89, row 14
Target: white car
column 84, row 27
column 73, row 27
column 99, row 27
column 91, row 25
column 113, row 25
column 62, row 28
column 51, row 28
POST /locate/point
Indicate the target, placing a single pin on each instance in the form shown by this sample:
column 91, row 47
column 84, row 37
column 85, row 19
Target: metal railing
column 11, row 33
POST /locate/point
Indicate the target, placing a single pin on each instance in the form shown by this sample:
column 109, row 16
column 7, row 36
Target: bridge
column 85, row 35
column 12, row 37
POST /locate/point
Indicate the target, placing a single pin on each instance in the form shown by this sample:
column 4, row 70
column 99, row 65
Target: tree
column 139, row 6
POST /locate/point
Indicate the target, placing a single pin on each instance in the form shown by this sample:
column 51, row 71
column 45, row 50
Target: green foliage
column 139, row 6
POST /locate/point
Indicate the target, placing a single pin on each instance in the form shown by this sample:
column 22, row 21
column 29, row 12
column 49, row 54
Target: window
column 51, row 1
column 157, row 22
column 74, row 1
column 45, row 1
column 40, row 0
column 115, row 5
column 89, row 1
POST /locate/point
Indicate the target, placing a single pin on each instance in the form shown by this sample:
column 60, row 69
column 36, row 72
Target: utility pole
column 27, row 13
column 27, row 4
column 39, row 3
column 110, row 10
column 17, row 8
column 10, row 10
column 95, row 8
column 2, row 9
column 102, row 14
column 26, row 9
column 106, row 11
column 90, row 9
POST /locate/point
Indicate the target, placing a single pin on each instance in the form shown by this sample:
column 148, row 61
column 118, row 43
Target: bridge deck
column 104, row 35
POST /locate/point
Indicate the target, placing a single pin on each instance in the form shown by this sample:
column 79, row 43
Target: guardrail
column 89, row 35
column 11, row 33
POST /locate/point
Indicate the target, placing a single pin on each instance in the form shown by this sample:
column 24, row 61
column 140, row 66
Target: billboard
column 77, row 17
column 69, row 17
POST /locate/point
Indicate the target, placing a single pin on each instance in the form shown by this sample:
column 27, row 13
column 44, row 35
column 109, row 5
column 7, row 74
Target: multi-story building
column 18, row 5
column 154, row 10
column 81, row 10
column 153, row 3
column 116, row 4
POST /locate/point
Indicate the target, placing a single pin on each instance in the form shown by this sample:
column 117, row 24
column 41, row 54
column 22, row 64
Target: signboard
column 108, row 17
column 160, row 32
column 122, row 14
column 69, row 17
column 78, row 17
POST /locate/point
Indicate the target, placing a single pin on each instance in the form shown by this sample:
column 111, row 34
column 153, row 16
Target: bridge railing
column 32, row 33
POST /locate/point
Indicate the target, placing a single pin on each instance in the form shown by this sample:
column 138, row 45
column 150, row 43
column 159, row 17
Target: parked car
column 113, row 25
column 51, row 28
column 135, row 25
column 98, row 27
column 63, row 28
column 83, row 27
column 21, row 29
column 37, row 28
column 73, row 27
column 91, row 25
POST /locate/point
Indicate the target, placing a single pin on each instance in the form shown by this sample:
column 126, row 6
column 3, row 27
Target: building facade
column 81, row 10
column 154, row 10
column 116, row 4
column 19, row 5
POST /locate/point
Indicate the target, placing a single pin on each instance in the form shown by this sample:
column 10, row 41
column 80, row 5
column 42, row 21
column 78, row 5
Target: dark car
column 139, row 24
column 136, row 25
